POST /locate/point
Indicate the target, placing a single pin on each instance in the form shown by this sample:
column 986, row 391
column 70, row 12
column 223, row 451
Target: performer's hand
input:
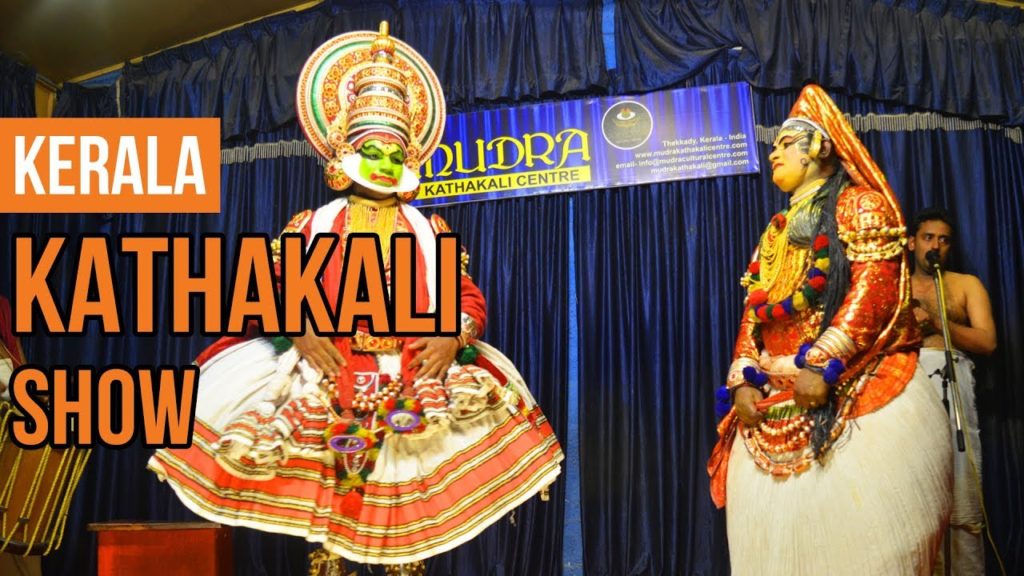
column 745, row 401
column 436, row 355
column 321, row 353
column 810, row 389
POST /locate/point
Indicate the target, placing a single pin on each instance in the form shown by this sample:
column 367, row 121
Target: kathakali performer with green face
column 388, row 450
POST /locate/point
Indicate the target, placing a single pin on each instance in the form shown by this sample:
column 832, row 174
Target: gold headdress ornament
column 364, row 85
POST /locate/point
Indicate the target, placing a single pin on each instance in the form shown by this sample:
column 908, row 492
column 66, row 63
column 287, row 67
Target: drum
column 35, row 492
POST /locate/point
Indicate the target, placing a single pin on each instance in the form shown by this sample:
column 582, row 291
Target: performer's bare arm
column 971, row 326
column 978, row 336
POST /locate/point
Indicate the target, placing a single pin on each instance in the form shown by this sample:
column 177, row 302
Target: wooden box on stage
column 164, row 548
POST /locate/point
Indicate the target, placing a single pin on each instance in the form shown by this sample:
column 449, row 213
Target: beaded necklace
column 774, row 245
column 772, row 256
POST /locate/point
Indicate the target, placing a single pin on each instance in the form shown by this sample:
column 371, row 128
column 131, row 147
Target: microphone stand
column 948, row 376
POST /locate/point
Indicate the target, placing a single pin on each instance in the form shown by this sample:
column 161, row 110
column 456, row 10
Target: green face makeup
column 381, row 163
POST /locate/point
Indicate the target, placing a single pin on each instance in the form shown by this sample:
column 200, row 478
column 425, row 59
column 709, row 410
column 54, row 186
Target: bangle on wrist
column 830, row 370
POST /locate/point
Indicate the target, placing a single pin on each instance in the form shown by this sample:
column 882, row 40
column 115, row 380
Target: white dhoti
column 967, row 544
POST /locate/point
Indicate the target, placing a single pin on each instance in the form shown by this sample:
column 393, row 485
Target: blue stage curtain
column 77, row 101
column 480, row 51
column 18, row 89
column 657, row 266
column 956, row 56
column 658, row 308
column 519, row 252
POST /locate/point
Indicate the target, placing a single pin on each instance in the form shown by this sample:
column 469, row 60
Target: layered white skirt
column 428, row 492
column 878, row 505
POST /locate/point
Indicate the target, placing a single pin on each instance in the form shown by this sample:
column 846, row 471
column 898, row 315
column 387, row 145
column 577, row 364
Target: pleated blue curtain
column 656, row 268
column 955, row 56
column 18, row 91
column 78, row 101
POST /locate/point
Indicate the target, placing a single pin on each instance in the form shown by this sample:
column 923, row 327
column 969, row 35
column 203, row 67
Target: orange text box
column 109, row 165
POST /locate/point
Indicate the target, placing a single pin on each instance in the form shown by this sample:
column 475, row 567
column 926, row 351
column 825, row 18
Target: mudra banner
column 594, row 143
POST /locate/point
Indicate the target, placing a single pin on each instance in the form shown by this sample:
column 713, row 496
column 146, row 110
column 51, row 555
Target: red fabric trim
column 369, row 516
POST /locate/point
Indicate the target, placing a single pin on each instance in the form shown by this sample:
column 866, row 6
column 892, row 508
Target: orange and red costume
column 813, row 490
column 380, row 466
column 875, row 323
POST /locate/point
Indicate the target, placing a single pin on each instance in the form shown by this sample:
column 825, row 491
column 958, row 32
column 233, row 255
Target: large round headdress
column 367, row 85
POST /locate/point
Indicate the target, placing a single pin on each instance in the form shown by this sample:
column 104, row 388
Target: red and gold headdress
column 364, row 85
column 815, row 108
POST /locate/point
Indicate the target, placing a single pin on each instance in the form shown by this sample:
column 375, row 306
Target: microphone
column 932, row 256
